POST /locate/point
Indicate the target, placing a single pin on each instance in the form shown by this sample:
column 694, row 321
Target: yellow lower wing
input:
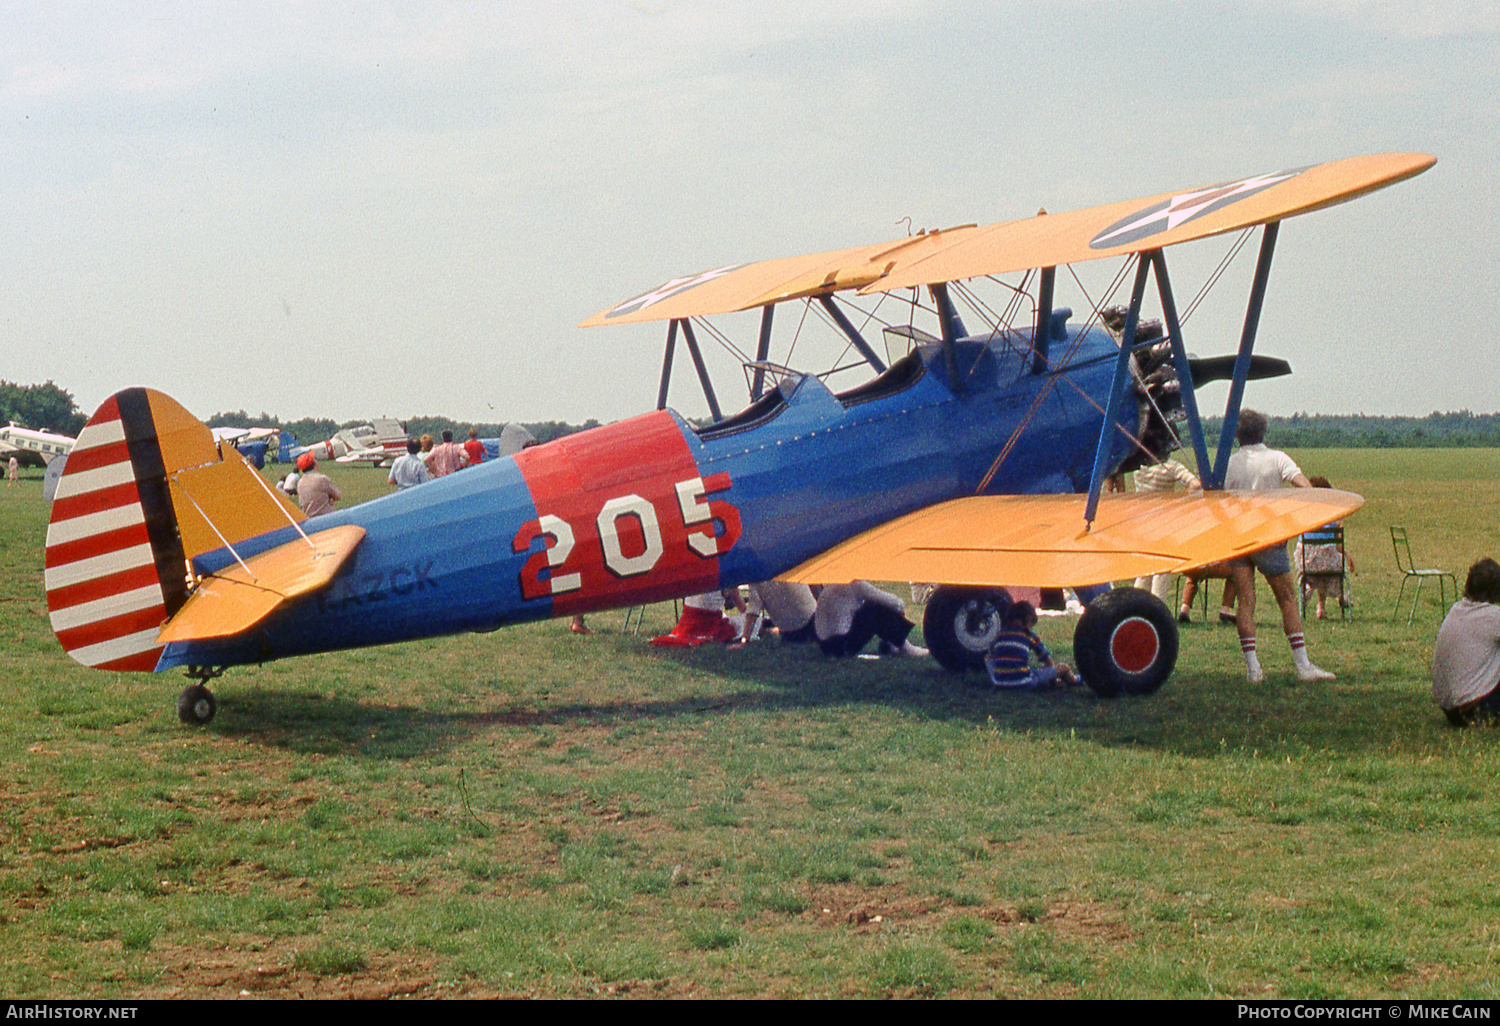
column 236, row 598
column 1038, row 540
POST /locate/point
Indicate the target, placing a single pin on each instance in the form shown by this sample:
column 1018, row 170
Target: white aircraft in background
column 235, row 435
column 34, row 448
column 378, row 442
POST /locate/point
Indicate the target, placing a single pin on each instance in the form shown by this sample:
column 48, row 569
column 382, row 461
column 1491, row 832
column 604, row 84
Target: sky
column 402, row 208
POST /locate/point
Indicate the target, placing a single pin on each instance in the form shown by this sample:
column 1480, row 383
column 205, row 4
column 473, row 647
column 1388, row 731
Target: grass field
column 534, row 813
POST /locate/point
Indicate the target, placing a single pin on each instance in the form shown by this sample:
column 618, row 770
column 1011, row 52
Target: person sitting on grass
column 1466, row 656
column 849, row 615
column 1009, row 657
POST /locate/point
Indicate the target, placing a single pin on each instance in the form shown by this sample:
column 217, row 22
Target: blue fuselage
column 651, row 508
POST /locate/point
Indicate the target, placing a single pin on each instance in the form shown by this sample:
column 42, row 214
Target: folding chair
column 1408, row 571
column 1203, row 576
column 635, row 617
column 1332, row 534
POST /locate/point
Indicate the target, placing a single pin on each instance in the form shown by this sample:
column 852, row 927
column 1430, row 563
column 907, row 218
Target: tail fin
column 144, row 490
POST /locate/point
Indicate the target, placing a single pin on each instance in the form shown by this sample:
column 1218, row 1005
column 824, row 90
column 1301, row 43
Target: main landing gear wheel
column 961, row 623
column 1125, row 643
column 196, row 704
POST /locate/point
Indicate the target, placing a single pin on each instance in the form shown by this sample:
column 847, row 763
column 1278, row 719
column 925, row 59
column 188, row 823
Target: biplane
column 972, row 460
column 378, row 443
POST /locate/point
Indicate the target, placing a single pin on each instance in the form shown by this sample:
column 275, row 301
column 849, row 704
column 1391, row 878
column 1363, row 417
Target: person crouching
column 1466, row 655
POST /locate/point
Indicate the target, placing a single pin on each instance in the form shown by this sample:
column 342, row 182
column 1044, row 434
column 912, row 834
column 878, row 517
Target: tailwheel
column 1125, row 642
column 196, row 704
column 961, row 623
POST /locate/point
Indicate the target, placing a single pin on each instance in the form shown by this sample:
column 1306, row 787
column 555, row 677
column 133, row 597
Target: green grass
column 531, row 813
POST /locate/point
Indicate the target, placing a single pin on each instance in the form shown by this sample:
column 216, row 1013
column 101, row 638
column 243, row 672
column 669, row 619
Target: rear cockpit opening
column 761, row 411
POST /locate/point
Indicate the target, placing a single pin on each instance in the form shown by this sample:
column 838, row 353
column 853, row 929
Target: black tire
column 1125, row 643
column 960, row 623
column 196, row 705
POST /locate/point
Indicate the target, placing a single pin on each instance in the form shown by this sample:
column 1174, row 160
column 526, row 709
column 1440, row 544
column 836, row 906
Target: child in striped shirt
column 1009, row 657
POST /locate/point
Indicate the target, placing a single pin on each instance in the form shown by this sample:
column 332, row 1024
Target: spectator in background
column 1164, row 475
column 409, row 471
column 447, row 458
column 1466, row 655
column 474, row 449
column 1322, row 568
column 1009, row 658
column 316, row 494
column 791, row 607
column 1254, row 467
column 849, row 615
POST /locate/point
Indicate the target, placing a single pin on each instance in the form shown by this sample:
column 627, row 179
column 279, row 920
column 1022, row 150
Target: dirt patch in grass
column 189, row 973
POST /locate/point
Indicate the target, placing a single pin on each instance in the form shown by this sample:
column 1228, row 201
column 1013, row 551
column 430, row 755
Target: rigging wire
column 718, row 336
column 1213, row 279
column 1059, row 372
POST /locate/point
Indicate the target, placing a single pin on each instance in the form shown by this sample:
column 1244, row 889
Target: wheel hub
column 1134, row 645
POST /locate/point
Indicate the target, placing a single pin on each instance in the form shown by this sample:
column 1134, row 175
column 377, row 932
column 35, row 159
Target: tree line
column 1461, row 429
column 44, row 407
column 308, row 430
column 47, row 407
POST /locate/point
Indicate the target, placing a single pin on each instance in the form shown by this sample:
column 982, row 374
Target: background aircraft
column 974, row 459
column 377, row 443
column 32, row 448
column 255, row 444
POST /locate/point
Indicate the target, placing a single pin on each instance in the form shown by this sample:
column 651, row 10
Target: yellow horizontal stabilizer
column 236, row 599
column 1039, row 540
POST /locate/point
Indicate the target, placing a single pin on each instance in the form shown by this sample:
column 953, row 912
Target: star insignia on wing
column 667, row 290
column 1185, row 207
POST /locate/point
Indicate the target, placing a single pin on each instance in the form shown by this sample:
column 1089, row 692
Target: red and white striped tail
column 110, row 564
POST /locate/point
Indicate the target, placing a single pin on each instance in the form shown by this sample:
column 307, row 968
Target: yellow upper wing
column 740, row 287
column 1133, row 226
column 1036, row 540
column 1048, row 240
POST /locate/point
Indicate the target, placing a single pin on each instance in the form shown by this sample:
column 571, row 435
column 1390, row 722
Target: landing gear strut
column 196, row 704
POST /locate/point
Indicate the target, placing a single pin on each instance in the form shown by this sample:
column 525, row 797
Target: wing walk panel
column 1034, row 540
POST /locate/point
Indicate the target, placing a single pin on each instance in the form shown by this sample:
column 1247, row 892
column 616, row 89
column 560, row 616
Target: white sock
column 1299, row 650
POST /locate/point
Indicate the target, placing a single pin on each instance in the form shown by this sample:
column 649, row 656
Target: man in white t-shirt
column 1254, row 467
column 1466, row 656
column 409, row 470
